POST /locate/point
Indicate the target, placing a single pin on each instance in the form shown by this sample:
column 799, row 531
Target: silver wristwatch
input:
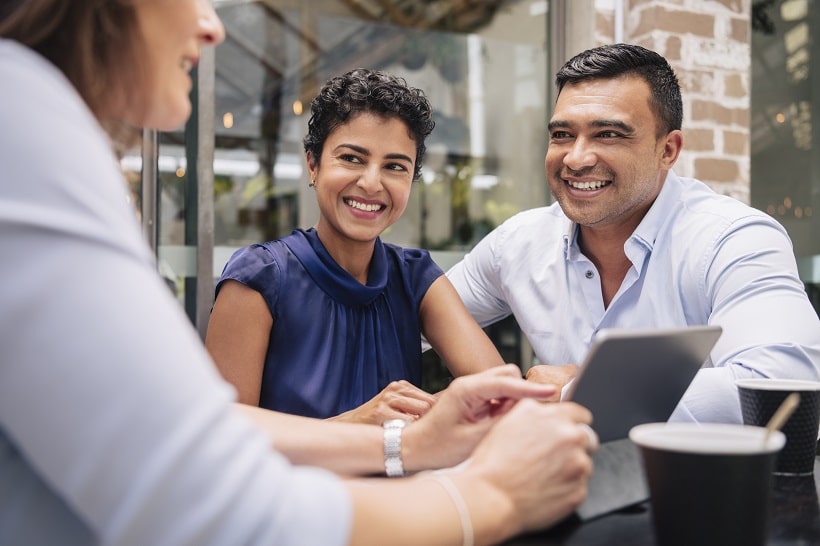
column 393, row 466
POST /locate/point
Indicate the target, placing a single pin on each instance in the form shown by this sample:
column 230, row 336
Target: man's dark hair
column 361, row 90
column 617, row 60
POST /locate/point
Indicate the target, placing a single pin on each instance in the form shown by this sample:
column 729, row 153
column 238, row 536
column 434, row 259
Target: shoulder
column 256, row 265
column 23, row 65
column 539, row 216
column 708, row 231
column 256, row 256
column 412, row 267
column 403, row 254
column 710, row 212
column 416, row 259
column 47, row 117
column 44, row 100
column 74, row 181
column 541, row 228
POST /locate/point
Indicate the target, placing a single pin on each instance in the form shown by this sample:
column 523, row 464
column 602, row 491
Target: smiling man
column 629, row 244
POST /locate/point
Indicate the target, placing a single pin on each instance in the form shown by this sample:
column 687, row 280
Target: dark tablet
column 631, row 377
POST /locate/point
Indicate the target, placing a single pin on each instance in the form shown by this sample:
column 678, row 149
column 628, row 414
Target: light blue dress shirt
column 697, row 258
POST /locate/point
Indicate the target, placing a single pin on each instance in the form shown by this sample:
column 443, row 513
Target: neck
column 352, row 256
column 605, row 249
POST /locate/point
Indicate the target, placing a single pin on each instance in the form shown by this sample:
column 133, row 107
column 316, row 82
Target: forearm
column 757, row 297
column 489, row 498
column 350, row 449
column 444, row 437
column 389, row 512
column 713, row 396
column 454, row 334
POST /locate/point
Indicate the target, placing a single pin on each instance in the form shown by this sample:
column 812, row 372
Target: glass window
column 483, row 66
column 785, row 165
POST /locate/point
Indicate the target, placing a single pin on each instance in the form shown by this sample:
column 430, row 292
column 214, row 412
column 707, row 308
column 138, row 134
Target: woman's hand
column 535, row 462
column 398, row 400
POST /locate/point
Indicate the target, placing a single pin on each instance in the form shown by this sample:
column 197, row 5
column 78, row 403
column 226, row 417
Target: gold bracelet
column 461, row 507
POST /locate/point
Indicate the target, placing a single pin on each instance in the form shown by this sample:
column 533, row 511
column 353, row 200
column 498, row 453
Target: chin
column 169, row 119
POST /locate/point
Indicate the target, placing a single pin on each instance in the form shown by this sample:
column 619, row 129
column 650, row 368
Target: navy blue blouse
column 335, row 343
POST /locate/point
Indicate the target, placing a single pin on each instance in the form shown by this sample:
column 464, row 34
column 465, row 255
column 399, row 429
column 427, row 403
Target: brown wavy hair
column 97, row 44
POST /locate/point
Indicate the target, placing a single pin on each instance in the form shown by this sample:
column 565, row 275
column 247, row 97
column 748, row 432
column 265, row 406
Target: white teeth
column 588, row 185
column 187, row 65
column 363, row 206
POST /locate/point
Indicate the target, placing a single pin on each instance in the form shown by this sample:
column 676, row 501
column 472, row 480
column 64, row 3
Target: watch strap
column 393, row 465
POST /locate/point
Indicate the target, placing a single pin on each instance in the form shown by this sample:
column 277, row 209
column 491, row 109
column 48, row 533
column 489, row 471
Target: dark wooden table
column 795, row 520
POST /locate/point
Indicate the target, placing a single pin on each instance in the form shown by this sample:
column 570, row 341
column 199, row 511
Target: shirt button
column 589, row 274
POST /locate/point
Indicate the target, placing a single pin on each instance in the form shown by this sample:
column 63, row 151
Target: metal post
column 205, row 189
column 148, row 191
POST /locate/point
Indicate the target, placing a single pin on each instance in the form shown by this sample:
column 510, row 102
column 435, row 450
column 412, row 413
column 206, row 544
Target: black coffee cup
column 710, row 484
column 760, row 398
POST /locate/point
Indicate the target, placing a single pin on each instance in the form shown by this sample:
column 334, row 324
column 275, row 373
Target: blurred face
column 174, row 32
column 364, row 179
column 605, row 164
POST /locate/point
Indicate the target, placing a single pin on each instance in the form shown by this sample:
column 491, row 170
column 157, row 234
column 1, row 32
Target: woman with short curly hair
column 327, row 322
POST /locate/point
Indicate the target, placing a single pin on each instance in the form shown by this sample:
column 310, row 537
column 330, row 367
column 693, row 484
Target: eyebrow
column 598, row 123
column 365, row 151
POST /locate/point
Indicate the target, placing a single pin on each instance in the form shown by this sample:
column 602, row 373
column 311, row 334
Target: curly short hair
column 616, row 60
column 361, row 90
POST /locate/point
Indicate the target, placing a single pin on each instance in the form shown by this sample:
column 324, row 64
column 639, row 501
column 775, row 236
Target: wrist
column 423, row 448
column 393, row 461
column 492, row 511
column 411, row 445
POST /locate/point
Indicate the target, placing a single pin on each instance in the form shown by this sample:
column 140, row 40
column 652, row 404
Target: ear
column 672, row 146
column 312, row 164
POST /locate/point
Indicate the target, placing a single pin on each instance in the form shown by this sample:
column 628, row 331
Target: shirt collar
column 571, row 250
column 660, row 211
column 647, row 231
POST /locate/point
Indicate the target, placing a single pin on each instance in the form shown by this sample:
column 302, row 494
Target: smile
column 367, row 207
column 590, row 185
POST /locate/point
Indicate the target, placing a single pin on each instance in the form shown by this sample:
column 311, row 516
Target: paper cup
column 760, row 398
column 709, row 484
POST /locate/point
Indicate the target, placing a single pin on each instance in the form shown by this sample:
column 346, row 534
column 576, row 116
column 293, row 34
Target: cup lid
column 707, row 438
column 773, row 384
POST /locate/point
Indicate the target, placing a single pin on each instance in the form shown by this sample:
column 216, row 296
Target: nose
column 580, row 155
column 211, row 30
column 370, row 180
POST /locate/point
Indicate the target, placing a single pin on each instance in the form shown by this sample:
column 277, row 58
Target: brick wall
column 708, row 45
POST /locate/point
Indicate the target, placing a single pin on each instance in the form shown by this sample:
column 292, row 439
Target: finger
column 408, row 390
column 394, row 414
column 592, row 441
column 410, row 405
column 574, row 411
column 488, row 387
column 532, row 373
column 511, row 370
column 542, row 374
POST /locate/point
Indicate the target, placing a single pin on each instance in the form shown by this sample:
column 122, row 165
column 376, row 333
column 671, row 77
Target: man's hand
column 559, row 376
